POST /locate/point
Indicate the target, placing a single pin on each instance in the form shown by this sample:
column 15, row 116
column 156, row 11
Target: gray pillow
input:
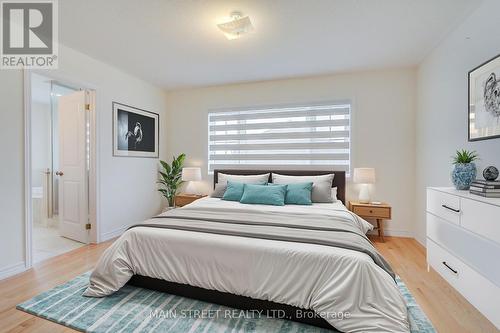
column 219, row 190
column 322, row 185
column 245, row 179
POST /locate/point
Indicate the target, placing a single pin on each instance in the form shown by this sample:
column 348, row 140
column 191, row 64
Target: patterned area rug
column 133, row 309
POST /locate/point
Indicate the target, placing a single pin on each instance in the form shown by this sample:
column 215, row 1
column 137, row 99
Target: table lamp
column 364, row 176
column 191, row 175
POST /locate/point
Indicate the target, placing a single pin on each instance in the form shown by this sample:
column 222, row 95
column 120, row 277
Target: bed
column 311, row 264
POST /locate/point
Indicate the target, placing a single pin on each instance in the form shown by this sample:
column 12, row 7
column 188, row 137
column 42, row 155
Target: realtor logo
column 29, row 34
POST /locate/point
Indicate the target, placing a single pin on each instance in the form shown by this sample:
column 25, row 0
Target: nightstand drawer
column 376, row 212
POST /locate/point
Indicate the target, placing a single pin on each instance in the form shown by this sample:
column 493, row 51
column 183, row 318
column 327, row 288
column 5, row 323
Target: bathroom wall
column 40, row 129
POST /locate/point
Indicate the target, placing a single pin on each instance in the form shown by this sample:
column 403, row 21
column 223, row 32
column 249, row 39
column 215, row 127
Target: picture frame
column 484, row 101
column 135, row 132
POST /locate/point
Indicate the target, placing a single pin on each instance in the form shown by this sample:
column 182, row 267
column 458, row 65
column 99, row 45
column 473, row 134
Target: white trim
column 28, row 221
column 398, row 233
column 12, row 270
column 422, row 242
column 280, row 105
column 352, row 133
column 93, row 192
column 112, row 234
column 93, row 172
column 394, row 233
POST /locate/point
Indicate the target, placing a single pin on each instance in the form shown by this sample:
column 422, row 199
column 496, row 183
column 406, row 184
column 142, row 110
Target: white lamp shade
column 364, row 176
column 191, row 174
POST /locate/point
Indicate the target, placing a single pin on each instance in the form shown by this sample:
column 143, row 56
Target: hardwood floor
column 448, row 310
column 41, row 277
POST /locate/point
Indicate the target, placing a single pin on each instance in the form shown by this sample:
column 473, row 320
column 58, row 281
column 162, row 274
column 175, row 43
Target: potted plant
column 464, row 171
column 170, row 178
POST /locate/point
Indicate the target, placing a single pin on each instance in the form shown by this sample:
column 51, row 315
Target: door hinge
column 88, row 226
column 87, row 107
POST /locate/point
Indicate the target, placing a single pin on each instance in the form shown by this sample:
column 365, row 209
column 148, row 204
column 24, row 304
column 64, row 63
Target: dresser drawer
column 375, row 212
column 473, row 250
column 479, row 291
column 444, row 205
column 481, row 218
column 447, row 265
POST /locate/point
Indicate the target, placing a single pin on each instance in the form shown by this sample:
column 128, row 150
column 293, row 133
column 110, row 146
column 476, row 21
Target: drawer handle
column 451, row 269
column 452, row 209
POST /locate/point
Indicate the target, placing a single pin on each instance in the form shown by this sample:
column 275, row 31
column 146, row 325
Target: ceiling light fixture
column 237, row 26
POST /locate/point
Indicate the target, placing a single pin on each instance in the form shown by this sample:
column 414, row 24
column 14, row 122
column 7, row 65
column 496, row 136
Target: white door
column 72, row 173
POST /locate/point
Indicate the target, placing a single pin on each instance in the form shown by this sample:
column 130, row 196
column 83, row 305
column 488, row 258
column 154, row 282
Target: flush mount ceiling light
column 237, row 26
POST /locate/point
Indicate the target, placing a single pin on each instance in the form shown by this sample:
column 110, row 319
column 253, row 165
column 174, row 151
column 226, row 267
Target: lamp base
column 364, row 194
column 191, row 188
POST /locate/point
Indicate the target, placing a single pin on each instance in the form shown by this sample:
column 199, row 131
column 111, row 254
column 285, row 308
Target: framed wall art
column 484, row 101
column 135, row 132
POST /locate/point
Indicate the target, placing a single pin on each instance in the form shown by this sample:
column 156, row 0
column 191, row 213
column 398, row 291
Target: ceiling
column 176, row 44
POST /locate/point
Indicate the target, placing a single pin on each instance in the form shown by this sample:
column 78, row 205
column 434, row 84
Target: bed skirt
column 267, row 308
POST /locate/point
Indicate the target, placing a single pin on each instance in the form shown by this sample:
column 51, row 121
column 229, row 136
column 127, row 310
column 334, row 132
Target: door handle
column 452, row 209
column 59, row 173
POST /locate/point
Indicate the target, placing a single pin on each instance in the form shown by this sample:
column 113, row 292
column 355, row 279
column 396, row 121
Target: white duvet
column 344, row 286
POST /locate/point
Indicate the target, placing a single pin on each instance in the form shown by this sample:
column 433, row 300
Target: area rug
column 133, row 309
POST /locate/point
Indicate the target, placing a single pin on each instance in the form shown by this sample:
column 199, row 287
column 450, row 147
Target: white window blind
column 299, row 137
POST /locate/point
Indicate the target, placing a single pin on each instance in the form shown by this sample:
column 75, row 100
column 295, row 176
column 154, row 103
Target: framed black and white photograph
column 135, row 131
column 484, row 101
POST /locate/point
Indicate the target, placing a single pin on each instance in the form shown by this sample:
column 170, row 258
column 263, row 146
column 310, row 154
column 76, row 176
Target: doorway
column 60, row 147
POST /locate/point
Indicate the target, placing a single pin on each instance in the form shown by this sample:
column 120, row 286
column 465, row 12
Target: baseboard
column 112, row 234
column 394, row 232
column 12, row 270
column 423, row 242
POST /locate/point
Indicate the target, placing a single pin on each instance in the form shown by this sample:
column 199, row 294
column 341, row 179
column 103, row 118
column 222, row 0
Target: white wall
column 127, row 185
column 11, row 172
column 383, row 125
column 442, row 102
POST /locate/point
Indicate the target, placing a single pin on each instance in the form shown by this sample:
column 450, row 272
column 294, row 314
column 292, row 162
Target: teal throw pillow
column 299, row 194
column 264, row 195
column 234, row 191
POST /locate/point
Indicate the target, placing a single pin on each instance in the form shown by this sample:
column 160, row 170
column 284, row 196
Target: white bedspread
column 345, row 286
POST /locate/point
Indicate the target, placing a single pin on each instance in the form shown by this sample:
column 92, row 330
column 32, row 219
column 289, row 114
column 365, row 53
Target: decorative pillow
column 322, row 185
column 264, row 195
column 234, row 191
column 298, row 193
column 219, row 190
column 251, row 179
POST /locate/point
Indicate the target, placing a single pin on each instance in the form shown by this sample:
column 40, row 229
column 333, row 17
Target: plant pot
column 171, row 202
column 463, row 175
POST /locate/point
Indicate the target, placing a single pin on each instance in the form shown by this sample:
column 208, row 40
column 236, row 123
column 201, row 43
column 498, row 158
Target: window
column 300, row 137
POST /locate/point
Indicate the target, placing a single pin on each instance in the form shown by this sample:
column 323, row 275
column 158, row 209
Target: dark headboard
column 338, row 180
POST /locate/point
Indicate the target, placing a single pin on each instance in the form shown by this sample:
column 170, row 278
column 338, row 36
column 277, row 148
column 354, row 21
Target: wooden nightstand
column 370, row 211
column 183, row 199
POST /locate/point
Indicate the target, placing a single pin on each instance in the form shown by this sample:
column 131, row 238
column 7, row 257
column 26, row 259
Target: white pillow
column 322, row 185
column 334, row 194
column 250, row 179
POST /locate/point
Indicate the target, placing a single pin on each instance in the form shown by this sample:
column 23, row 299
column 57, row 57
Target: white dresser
column 463, row 246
